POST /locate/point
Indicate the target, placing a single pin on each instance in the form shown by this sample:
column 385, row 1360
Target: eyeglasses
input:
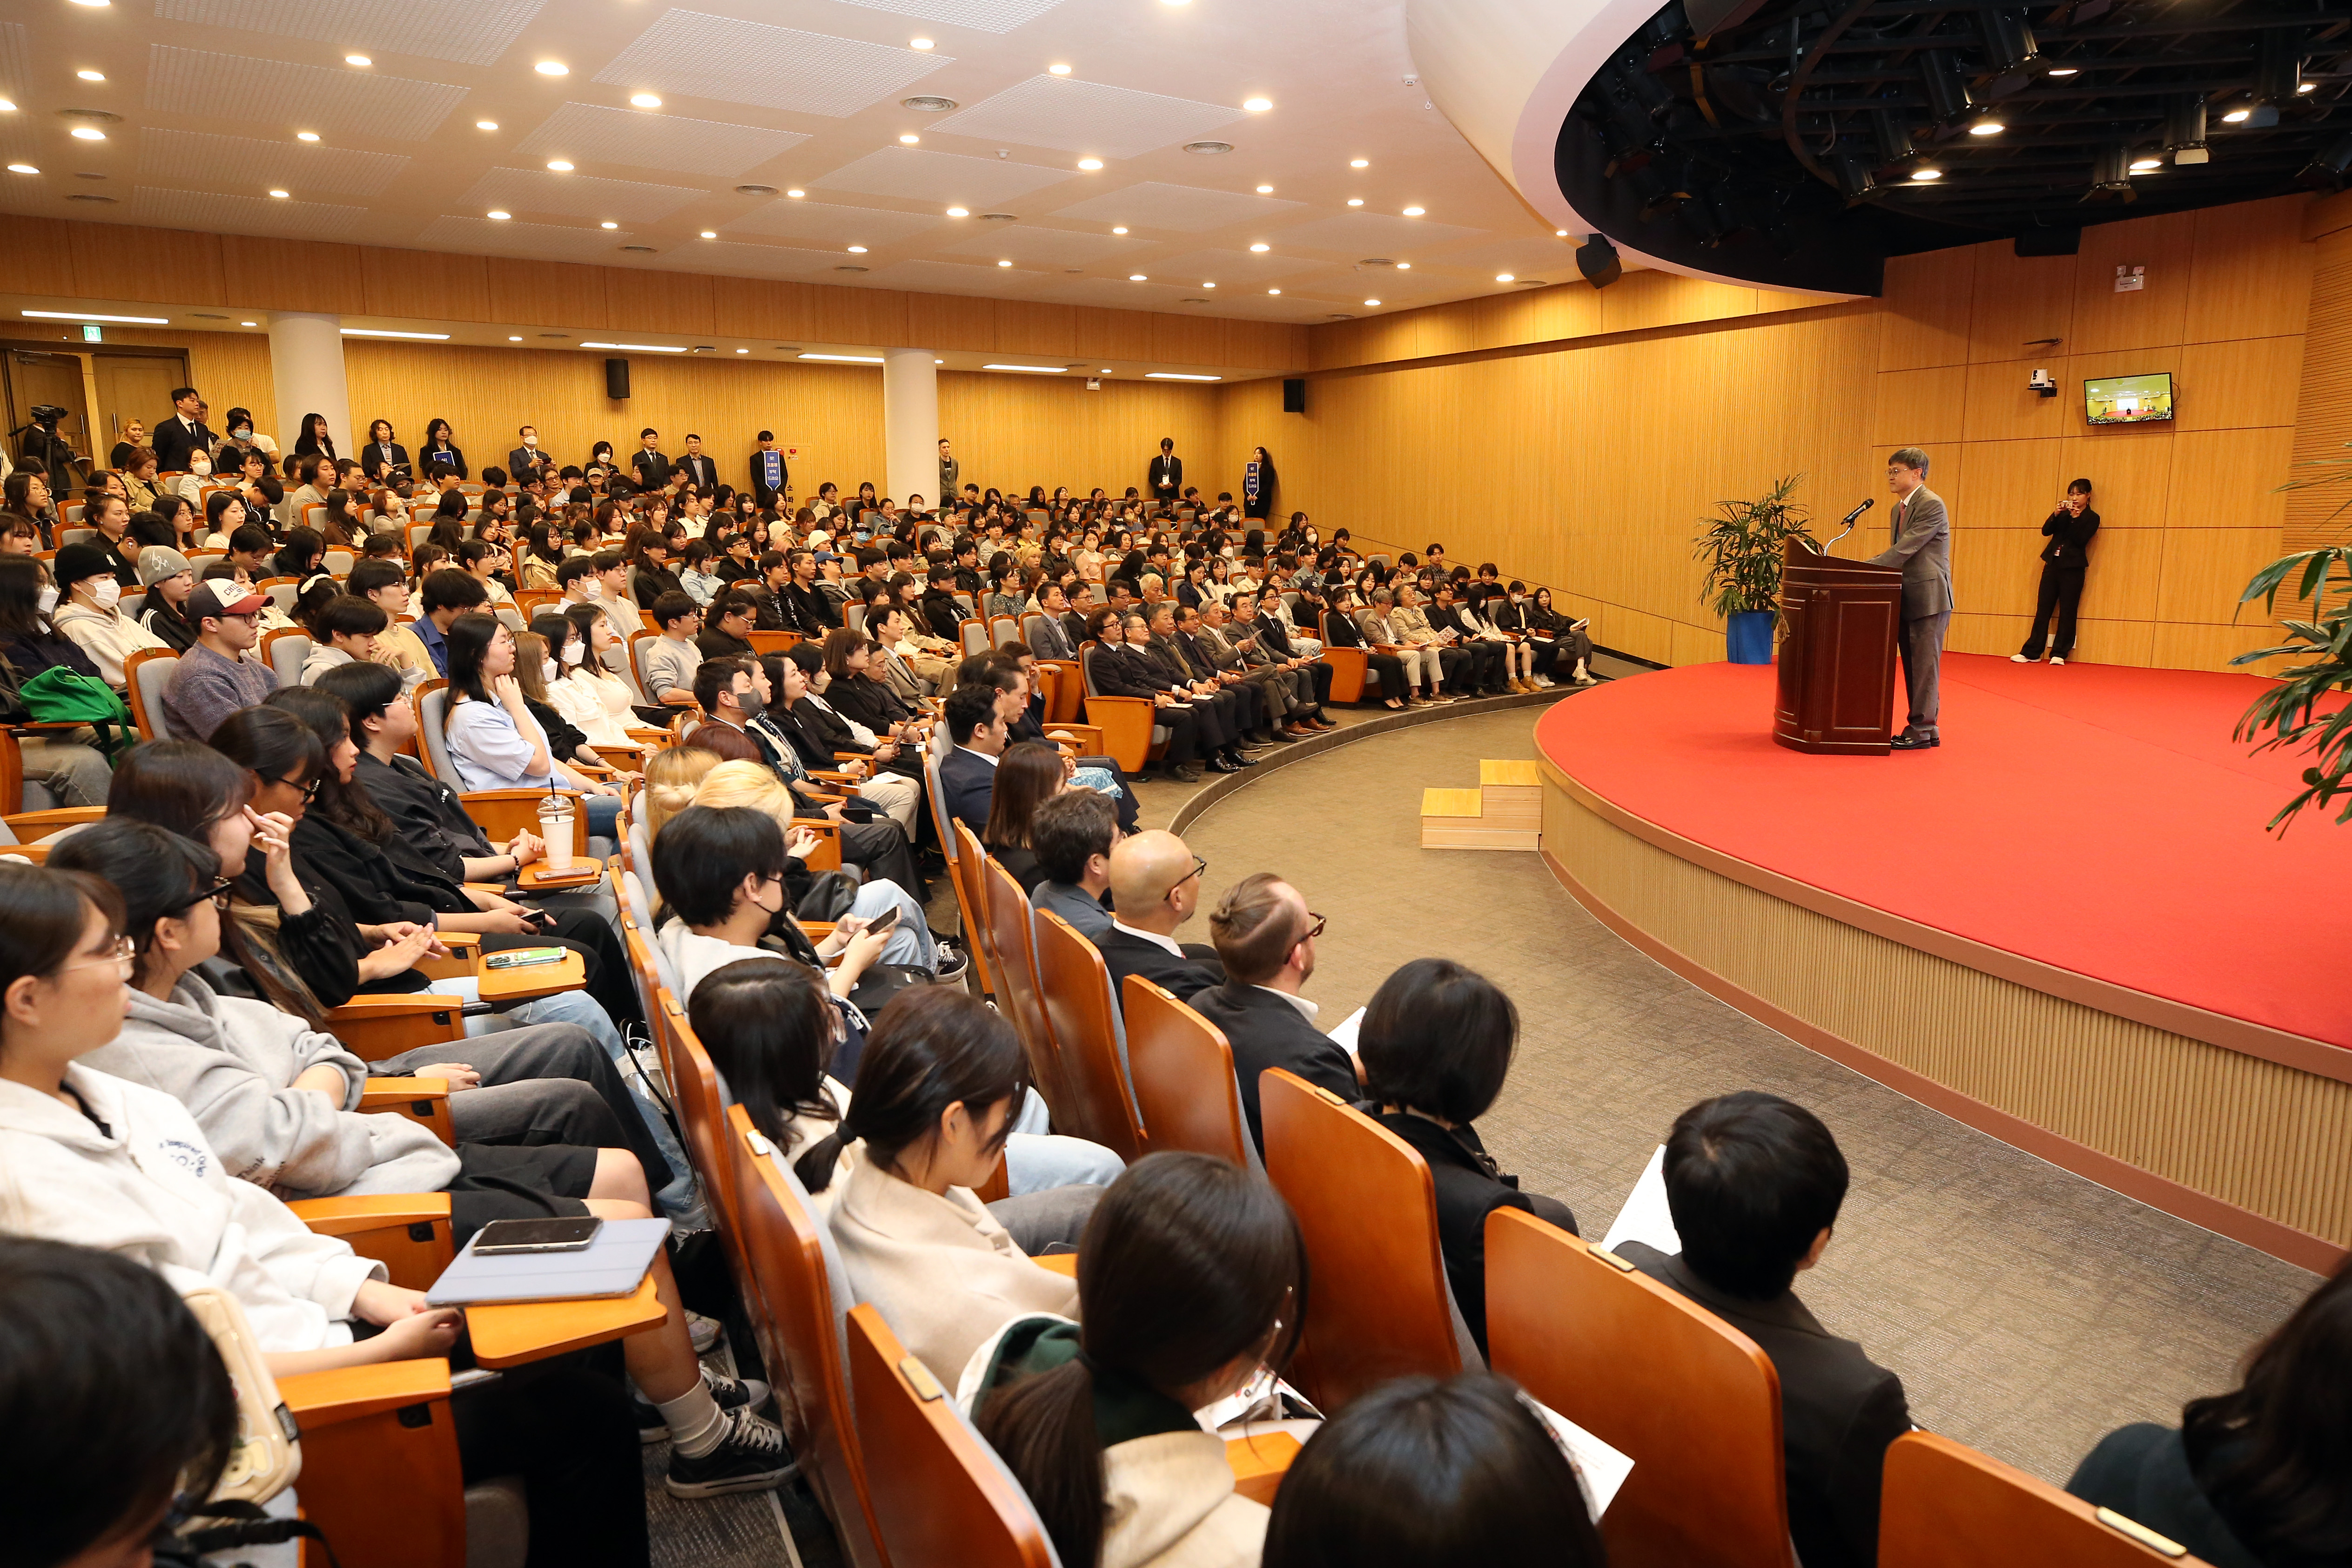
column 1311, row 933
column 123, row 954
column 217, row 892
column 309, row 790
column 1199, row 867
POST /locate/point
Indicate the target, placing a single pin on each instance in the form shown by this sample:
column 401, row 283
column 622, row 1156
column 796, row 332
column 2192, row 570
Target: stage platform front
column 2066, row 925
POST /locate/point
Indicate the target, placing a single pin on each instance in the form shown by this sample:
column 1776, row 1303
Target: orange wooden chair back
column 1692, row 1400
column 1368, row 1208
column 802, row 1339
column 1076, row 986
column 1013, row 945
column 971, row 904
column 1183, row 1069
column 1944, row 1505
column 694, row 1086
column 944, row 1500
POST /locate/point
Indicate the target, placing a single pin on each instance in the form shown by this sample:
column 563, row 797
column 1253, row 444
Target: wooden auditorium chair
column 1010, row 930
column 1181, row 1067
column 148, row 673
column 1088, row 1042
column 1691, row 1399
column 1368, row 1208
column 1350, row 667
column 1944, row 1505
column 943, row 1499
column 1131, row 731
column 971, row 895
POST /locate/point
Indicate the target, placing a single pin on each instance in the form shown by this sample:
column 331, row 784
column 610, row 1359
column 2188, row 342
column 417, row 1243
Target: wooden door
column 134, row 386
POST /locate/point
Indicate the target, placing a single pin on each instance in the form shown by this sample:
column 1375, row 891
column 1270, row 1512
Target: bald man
column 1155, row 885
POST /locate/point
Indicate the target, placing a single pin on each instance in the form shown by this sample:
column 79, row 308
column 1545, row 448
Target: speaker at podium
column 1837, row 681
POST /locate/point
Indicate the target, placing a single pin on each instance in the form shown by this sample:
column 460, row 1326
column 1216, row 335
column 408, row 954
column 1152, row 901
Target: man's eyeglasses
column 1311, row 933
column 1199, row 867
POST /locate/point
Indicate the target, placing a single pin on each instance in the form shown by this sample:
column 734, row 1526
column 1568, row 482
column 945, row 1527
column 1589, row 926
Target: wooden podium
column 1837, row 689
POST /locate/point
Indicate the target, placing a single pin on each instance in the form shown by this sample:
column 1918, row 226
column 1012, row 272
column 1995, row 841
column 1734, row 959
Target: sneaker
column 953, row 961
column 732, row 1392
column 706, row 1332
column 2019, row 658
column 2056, row 658
column 752, row 1458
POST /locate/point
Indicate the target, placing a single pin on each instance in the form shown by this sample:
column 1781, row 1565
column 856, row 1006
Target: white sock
column 694, row 1421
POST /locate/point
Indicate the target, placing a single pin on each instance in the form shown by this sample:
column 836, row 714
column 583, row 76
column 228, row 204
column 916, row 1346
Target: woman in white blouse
column 492, row 739
column 591, row 698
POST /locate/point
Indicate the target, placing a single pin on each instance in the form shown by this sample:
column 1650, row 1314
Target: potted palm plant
column 2290, row 714
column 1742, row 546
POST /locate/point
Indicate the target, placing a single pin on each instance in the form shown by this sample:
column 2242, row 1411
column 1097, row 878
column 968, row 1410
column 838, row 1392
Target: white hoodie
column 142, row 1182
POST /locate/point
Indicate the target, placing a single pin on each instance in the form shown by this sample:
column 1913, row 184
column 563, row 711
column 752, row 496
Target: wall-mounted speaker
column 617, row 379
column 1293, row 394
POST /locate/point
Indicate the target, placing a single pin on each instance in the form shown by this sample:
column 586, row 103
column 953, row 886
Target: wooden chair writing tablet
column 1944, row 1505
column 1076, row 987
column 943, row 1499
column 1691, row 1399
column 1183, row 1069
column 1368, row 1208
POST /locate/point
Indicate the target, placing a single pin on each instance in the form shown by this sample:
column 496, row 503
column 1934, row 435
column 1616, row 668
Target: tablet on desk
column 612, row 1265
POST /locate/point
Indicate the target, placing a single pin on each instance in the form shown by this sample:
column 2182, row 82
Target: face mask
column 200, row 465
column 243, row 432
column 46, row 599
column 751, row 704
column 109, row 593
column 547, row 670
column 591, row 588
column 572, row 655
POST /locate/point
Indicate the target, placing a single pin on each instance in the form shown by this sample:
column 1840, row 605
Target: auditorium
column 1605, row 744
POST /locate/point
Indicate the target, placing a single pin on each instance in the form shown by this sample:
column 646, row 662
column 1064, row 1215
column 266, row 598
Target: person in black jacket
column 1266, row 943
column 801, row 605
column 1435, row 1043
column 940, row 608
column 821, row 730
column 382, row 454
column 1146, row 669
column 1754, row 1184
column 647, row 463
column 2066, row 560
column 1109, row 675
column 1155, row 885
column 440, row 451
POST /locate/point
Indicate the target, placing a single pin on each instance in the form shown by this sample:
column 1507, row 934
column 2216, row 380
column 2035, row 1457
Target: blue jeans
column 1037, row 1162
column 604, row 811
column 911, row 944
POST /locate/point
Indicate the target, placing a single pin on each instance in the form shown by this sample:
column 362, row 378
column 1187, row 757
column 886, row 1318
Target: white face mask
column 547, row 670
column 200, row 465
column 592, row 587
column 108, row 593
column 46, row 599
column 573, row 654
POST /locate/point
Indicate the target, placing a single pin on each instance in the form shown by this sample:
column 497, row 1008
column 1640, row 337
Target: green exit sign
column 93, row 334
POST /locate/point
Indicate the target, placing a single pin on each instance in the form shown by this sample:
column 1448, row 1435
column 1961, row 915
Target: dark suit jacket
column 1838, row 1413
column 1469, row 1187
column 651, row 468
column 172, row 444
column 807, row 611
column 1052, row 639
column 1183, row 978
column 522, row 460
column 1115, row 676
column 1266, row 1031
column 868, row 700
column 2069, row 549
column 2142, row 1472
column 1272, row 637
column 373, row 462
column 426, row 456
column 1167, row 473
column 970, row 784
column 701, row 470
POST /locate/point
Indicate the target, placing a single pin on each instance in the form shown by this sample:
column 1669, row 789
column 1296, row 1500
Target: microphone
column 1857, row 511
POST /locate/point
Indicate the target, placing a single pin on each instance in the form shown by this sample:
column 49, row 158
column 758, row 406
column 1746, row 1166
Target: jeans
column 911, row 944
column 604, row 811
column 1038, row 1161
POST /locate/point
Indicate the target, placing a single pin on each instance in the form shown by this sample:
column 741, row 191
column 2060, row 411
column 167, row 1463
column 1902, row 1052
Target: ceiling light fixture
column 1273, row 290
column 1136, row 277
column 90, row 133
column 1090, row 164
column 909, row 139
column 357, row 60
column 1986, row 128
column 552, row 67
column 919, row 43
column 1121, row 229
column 640, row 348
column 1414, row 212
column 710, row 234
column 514, row 337
column 796, row 194
column 8, row 106
column 281, row 195
column 846, row 359
column 485, row 125
column 21, row 169
column 608, row 223
column 645, row 101
column 559, row 166
column 1372, row 301
column 1560, row 234
column 1031, row 369
column 306, row 136
column 1005, row 264
column 1058, row 70
column 1208, row 285
column 2307, row 86
column 1404, row 266
column 1355, row 201
column 94, row 5
column 1360, row 162
column 77, row 316
column 1265, row 190
column 959, row 212
column 1173, row 375
column 1926, row 174
column 2237, row 117
column 249, row 323
column 2146, row 165
column 1257, row 105
column 1261, row 247
column 743, row 350
column 856, row 250
column 500, row 217
column 92, row 75
column 1503, row 277
column 380, row 332
column 2063, row 70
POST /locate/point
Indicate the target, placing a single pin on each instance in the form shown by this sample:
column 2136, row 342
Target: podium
column 1837, row 689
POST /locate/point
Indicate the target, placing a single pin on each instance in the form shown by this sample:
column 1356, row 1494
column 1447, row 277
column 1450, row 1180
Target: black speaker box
column 1293, row 394
column 617, row 379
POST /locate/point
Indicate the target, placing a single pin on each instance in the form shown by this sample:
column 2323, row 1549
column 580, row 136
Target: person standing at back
column 1920, row 532
column 2065, row 562
column 1167, row 474
column 949, row 471
column 183, row 433
column 647, row 463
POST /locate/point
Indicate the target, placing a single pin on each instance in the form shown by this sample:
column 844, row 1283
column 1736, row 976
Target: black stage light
column 2111, row 174
column 1893, row 136
column 2326, row 170
column 1947, row 89
column 2184, row 129
column 2008, row 41
column 1598, row 261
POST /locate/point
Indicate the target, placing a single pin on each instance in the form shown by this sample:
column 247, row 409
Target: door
column 134, row 386
column 36, row 378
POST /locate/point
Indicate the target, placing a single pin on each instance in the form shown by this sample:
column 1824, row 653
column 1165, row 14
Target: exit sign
column 93, row 334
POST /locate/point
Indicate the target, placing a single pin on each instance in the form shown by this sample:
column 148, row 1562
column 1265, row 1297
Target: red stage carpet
column 2096, row 818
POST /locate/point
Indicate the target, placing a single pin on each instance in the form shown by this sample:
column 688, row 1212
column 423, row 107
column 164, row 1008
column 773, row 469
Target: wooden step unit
column 1457, row 819
column 1514, row 793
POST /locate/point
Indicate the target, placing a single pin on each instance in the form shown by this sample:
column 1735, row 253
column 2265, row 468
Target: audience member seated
column 795, row 719
column 382, row 583
column 493, row 740
column 1435, row 1042
column 1265, row 937
column 1011, row 669
column 446, row 594
column 1027, row 775
column 1071, row 834
column 1754, row 1184
column 214, row 678
column 126, row 1168
column 672, row 659
column 2259, row 1476
column 856, row 691
column 1155, row 885
column 168, row 579
column 1419, row 1472
column 87, row 612
column 1112, row 675
column 342, row 630
column 976, row 733
column 1192, row 1277
column 597, row 702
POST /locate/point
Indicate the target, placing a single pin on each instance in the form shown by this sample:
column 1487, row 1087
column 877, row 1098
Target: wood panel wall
column 117, row 261
column 1015, row 431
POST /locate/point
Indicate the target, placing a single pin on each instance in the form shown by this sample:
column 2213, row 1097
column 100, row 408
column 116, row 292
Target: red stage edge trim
column 2258, row 1231
column 2247, row 1038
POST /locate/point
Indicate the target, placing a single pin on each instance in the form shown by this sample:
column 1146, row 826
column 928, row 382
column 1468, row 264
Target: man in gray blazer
column 1921, row 533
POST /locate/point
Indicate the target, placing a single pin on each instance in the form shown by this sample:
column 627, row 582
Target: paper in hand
column 1645, row 1217
column 1344, row 1031
column 1601, row 1469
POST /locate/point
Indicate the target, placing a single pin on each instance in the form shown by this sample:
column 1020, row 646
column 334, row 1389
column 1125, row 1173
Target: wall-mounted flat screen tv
column 2128, row 399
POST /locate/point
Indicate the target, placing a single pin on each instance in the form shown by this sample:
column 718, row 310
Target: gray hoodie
column 233, row 1063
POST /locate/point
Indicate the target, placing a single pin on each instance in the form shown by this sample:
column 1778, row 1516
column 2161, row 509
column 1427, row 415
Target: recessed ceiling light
column 1560, row 234
column 608, row 224
column 909, row 139
column 1994, row 127
column 919, row 43
column 2146, row 165
column 846, row 359
column 1265, row 190
column 645, row 101
column 1273, row 290
column 1173, row 376
column 1404, row 266
column 1927, row 174
column 306, row 136
column 710, row 234
column 1261, row 247
column 2237, row 117
column 75, row 316
column 1059, row 69
column 1107, row 371
column 249, row 323
column 1502, row 277
column 514, row 337
column 796, row 194
column 939, row 361
column 743, row 350
column 379, row 333
column 1208, row 285
column 93, row 4
column 1175, row 1
column 92, row 75
column 1414, row 212
column 501, row 216
column 559, row 166
column 1360, row 162
column 552, row 67
column 1355, row 201
column 1120, row 230
column 856, row 250
column 357, row 60
column 1257, row 105
column 1372, row 301
column 1136, row 277
column 1005, row 264
column 90, row 132
column 959, row 212
column 281, row 195
column 641, row 348
column 1090, row 164
column 2062, row 70
column 1033, row 369
column 21, row 169
column 485, row 125
column 8, row 106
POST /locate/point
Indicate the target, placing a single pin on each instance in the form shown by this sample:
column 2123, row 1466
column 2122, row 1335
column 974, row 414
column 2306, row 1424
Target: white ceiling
column 798, row 95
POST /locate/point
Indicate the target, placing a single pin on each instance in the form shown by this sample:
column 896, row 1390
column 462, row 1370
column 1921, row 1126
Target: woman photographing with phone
column 2065, row 563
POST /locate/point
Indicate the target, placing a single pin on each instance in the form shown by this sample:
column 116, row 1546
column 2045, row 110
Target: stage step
column 1514, row 793
column 1457, row 819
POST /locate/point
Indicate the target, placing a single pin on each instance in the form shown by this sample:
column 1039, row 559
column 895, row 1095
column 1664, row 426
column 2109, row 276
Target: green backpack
column 61, row 696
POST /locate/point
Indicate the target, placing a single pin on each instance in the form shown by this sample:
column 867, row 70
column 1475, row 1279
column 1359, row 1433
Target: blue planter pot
column 1748, row 637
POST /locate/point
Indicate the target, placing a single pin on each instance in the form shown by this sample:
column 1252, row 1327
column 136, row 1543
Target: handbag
column 61, row 696
column 828, row 897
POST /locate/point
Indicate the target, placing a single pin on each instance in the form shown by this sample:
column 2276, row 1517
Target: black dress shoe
column 1907, row 742
column 1233, row 755
column 1219, row 765
column 1178, row 773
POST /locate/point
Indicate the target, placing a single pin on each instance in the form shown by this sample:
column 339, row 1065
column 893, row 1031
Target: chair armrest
column 424, row 1101
column 321, row 1399
column 408, row 1233
column 372, row 1026
column 835, row 775
column 522, row 1332
column 649, row 736
column 522, row 985
column 350, row 1216
column 1088, row 737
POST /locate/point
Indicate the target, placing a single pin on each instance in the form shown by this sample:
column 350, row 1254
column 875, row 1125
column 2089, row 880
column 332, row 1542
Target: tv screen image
column 2128, row 399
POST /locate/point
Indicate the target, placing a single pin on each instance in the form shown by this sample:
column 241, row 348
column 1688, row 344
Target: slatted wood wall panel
column 1015, row 431
column 2268, row 1139
column 231, row 369
column 2322, row 434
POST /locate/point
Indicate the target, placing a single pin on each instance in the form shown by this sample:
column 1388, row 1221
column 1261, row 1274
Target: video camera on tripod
column 40, row 445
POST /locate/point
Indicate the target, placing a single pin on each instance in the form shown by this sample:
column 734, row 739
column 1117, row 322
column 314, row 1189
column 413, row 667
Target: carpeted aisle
column 2096, row 819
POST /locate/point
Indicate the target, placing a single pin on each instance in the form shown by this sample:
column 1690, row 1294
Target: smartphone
column 503, row 1236
column 524, row 958
column 882, row 921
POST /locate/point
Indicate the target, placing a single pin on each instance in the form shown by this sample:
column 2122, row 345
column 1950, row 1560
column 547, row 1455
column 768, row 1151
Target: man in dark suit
column 1109, row 676
column 1183, row 637
column 1241, row 705
column 651, row 468
column 1166, row 480
column 968, row 772
column 700, row 471
column 182, row 433
column 1155, row 885
column 1054, row 636
column 527, row 457
column 1146, row 667
column 1266, row 938
column 770, row 474
column 1754, row 1184
column 1275, row 638
column 1921, row 534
